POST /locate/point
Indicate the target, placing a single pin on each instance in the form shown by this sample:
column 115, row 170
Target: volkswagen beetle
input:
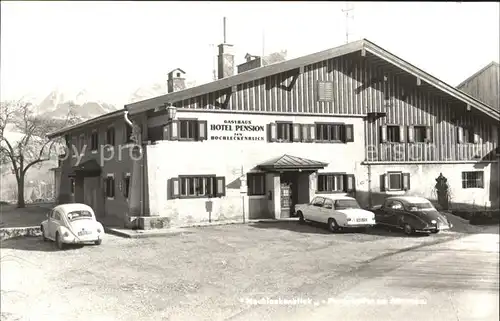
column 411, row 214
column 72, row 224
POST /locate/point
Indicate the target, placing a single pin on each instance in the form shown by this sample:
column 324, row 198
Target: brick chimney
column 252, row 62
column 225, row 59
column 176, row 80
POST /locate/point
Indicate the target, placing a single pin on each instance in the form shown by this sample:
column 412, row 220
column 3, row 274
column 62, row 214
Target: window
column 126, row 185
column 128, row 133
column 420, row 134
column 57, row 216
column 330, row 183
column 328, row 203
column 110, row 136
column 110, row 187
column 329, row 132
column 395, row 181
column 393, row 205
column 185, row 130
column 473, row 179
column 72, row 185
column 94, row 141
column 393, row 134
column 197, row 186
column 318, row 201
column 284, row 131
column 256, row 184
column 325, row 91
column 188, row 129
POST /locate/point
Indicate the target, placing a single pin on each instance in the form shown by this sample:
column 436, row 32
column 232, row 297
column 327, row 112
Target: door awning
column 288, row 162
column 88, row 168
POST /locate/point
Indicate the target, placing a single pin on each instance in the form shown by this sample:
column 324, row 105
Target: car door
column 313, row 211
column 325, row 212
column 397, row 213
column 55, row 222
column 383, row 215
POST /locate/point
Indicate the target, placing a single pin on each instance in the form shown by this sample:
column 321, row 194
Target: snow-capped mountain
column 58, row 103
column 155, row 90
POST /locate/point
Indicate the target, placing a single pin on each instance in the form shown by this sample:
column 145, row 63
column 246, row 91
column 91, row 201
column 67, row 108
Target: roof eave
column 450, row 90
column 91, row 121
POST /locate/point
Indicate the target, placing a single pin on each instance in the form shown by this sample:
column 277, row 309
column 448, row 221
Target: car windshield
column 75, row 215
column 346, row 204
column 422, row 206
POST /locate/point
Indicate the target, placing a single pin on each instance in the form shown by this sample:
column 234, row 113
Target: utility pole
column 347, row 17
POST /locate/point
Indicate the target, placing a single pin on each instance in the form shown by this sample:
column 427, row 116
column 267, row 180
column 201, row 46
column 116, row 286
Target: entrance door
column 286, row 200
column 289, row 193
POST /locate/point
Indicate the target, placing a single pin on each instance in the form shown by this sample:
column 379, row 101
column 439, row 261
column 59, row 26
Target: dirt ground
column 204, row 274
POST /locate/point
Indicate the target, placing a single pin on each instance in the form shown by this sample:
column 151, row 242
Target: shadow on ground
column 317, row 228
column 35, row 244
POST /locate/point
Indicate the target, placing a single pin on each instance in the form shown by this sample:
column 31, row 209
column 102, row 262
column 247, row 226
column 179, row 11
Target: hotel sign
column 240, row 130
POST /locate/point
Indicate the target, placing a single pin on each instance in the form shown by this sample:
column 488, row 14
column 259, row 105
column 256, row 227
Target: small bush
column 4, row 203
column 485, row 217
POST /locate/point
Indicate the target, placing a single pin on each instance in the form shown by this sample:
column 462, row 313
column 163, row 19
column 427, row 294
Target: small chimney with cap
column 176, row 80
column 225, row 59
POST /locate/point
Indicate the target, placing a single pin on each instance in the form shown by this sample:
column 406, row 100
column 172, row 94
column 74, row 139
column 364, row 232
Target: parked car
column 411, row 214
column 337, row 211
column 72, row 224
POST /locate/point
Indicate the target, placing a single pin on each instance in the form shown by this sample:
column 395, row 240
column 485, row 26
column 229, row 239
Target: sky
column 113, row 48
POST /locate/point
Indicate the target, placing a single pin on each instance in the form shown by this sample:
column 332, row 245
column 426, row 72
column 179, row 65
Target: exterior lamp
column 171, row 111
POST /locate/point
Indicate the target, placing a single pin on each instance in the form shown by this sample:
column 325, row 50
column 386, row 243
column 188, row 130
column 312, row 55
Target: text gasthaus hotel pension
column 354, row 119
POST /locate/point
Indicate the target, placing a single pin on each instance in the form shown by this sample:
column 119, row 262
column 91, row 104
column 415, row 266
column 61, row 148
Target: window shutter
column 428, row 134
column 411, row 134
column 202, row 130
column 348, row 133
column 296, row 132
column 174, row 130
column 383, row 134
column 220, row 186
column 305, row 133
column 384, row 184
column 349, row 183
column 406, row 181
column 312, row 132
column 401, row 134
column 460, row 135
column 174, row 188
column 272, row 132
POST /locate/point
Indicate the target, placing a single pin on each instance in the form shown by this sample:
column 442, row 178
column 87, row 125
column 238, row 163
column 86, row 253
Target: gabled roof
column 269, row 70
column 477, row 73
column 114, row 114
column 291, row 162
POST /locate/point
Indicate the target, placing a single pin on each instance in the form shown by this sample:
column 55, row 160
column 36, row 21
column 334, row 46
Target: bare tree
column 27, row 145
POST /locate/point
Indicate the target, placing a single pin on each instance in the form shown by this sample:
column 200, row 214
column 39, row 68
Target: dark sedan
column 411, row 214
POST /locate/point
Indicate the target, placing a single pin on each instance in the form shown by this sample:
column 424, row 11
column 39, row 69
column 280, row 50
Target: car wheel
column 435, row 231
column 98, row 242
column 59, row 242
column 43, row 234
column 332, row 225
column 408, row 229
column 301, row 217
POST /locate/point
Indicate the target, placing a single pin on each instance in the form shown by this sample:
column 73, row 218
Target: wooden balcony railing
column 424, row 152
